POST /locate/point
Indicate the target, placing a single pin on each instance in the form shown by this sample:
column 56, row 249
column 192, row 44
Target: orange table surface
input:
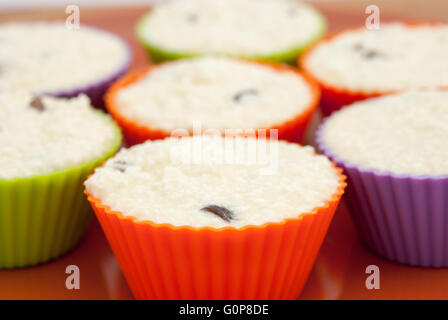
column 339, row 271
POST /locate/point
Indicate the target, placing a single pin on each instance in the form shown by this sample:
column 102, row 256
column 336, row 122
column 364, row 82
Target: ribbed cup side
column 159, row 54
column 401, row 219
column 162, row 262
column 43, row 217
column 96, row 91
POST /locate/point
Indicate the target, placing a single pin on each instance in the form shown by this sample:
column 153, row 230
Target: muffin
column 212, row 93
column 394, row 150
column 48, row 148
column 356, row 64
column 274, row 30
column 212, row 217
column 48, row 58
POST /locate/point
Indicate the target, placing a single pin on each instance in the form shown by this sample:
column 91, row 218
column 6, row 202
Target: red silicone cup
column 134, row 132
column 271, row 261
column 335, row 97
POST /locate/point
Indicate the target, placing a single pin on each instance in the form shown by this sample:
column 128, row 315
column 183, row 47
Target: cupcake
column 356, row 64
column 274, row 30
column 48, row 58
column 212, row 217
column 394, row 151
column 48, row 148
column 212, row 93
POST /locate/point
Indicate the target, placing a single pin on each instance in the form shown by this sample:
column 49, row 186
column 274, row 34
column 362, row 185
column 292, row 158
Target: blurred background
column 119, row 16
column 411, row 9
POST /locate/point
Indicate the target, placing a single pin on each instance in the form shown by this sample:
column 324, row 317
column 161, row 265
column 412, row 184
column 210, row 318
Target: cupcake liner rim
column 279, row 56
column 322, row 147
column 99, row 82
column 132, row 77
column 334, row 198
column 302, row 61
column 114, row 146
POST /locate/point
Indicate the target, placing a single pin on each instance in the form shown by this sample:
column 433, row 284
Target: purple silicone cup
column 400, row 217
column 95, row 91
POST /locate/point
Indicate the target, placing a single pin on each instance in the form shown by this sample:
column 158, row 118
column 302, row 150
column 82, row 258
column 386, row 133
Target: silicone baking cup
column 162, row 261
column 134, row 132
column 400, row 217
column 43, row 217
column 95, row 91
column 336, row 97
column 158, row 54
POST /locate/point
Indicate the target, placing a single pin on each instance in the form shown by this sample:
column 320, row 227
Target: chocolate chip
column 192, row 18
column 240, row 95
column 120, row 165
column 367, row 53
column 224, row 213
column 37, row 104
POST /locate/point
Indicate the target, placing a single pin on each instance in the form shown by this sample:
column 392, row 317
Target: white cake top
column 395, row 57
column 154, row 182
column 241, row 27
column 405, row 133
column 216, row 93
column 47, row 57
column 53, row 134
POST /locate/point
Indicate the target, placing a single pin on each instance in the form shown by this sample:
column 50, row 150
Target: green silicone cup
column 158, row 54
column 43, row 217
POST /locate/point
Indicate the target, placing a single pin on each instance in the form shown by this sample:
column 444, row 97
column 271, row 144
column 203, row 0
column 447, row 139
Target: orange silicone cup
column 271, row 261
column 292, row 130
column 335, row 97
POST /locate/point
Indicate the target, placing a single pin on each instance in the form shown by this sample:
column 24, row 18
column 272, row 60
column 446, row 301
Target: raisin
column 222, row 212
column 367, row 53
column 37, row 104
column 120, row 165
column 241, row 94
column 370, row 54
